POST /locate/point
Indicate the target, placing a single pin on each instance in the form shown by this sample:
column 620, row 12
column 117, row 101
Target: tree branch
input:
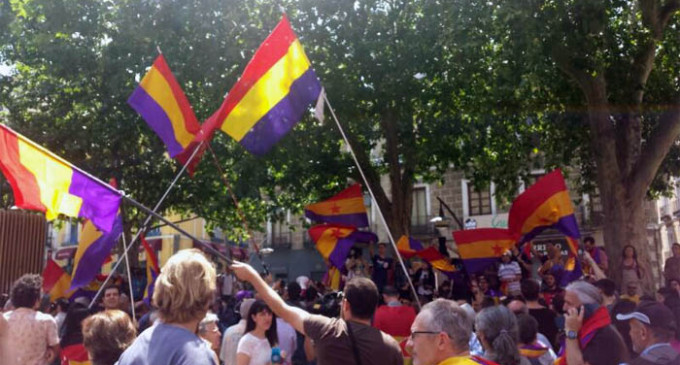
column 654, row 151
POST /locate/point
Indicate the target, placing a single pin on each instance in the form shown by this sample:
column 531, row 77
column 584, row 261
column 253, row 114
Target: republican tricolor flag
column 272, row 95
column 482, row 247
column 346, row 207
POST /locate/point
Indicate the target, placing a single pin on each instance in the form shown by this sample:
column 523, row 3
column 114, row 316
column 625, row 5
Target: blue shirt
column 167, row 344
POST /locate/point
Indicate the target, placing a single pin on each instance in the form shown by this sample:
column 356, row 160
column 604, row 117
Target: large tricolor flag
column 546, row 204
column 94, row 247
column 347, row 207
column 437, row 260
column 161, row 102
column 56, row 281
column 273, row 93
column 152, row 270
column 482, row 247
column 41, row 181
column 335, row 241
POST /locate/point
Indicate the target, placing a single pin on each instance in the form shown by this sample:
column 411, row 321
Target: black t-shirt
column 380, row 268
column 546, row 324
column 606, row 348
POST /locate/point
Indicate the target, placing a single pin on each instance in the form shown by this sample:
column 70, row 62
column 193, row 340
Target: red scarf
column 597, row 321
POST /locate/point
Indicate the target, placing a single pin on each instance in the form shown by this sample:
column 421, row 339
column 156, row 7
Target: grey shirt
column 167, row 344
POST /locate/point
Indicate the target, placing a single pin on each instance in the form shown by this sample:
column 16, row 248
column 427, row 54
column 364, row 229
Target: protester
column 497, row 331
column 530, row 347
column 671, row 300
column 72, row 348
column 288, row 340
column 671, row 269
column 440, row 335
column 631, row 272
column 550, row 288
column 588, row 328
column 545, row 317
column 632, row 292
column 106, row 335
column 62, row 307
column 608, row 290
column 183, row 293
column 356, row 265
column 382, row 264
column 31, row 336
column 210, row 332
column 393, row 318
column 423, row 280
column 510, row 274
column 652, row 327
column 597, row 253
column 255, row 347
column 622, row 327
column 234, row 333
column 111, row 298
column 336, row 341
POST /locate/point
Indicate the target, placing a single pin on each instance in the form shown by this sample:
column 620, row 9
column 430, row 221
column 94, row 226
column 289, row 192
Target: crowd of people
column 518, row 312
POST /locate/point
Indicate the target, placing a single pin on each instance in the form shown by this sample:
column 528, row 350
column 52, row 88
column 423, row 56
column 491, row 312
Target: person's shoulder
column 44, row 317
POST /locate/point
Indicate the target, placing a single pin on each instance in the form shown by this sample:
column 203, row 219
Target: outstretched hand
column 244, row 271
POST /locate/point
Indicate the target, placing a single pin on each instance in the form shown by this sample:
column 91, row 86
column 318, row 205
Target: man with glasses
column 440, row 335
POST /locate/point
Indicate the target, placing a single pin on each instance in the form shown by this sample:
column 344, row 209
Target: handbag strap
column 355, row 349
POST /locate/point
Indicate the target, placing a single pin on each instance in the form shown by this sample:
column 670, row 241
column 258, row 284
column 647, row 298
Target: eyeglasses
column 414, row 333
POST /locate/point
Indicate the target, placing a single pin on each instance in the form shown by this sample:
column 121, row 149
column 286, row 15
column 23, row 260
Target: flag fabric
column 94, row 248
column 47, row 184
column 161, row 102
column 533, row 351
column 55, row 281
column 152, row 270
column 408, row 246
column 347, row 207
column 437, row 260
column 274, row 91
column 335, row 241
column 333, row 278
column 482, row 247
column 546, row 204
column 75, row 354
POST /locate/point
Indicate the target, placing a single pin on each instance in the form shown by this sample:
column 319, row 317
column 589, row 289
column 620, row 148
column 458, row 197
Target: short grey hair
column 587, row 293
column 443, row 315
column 208, row 319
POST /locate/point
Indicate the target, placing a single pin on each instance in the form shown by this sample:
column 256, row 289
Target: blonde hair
column 185, row 288
column 106, row 335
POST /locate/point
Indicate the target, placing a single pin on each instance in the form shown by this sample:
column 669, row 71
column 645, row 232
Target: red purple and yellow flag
column 48, row 184
column 335, row 241
column 161, row 102
column 56, row 281
column 75, row 355
column 271, row 96
column 408, row 246
column 347, row 207
column 152, row 270
column 479, row 248
column 546, row 204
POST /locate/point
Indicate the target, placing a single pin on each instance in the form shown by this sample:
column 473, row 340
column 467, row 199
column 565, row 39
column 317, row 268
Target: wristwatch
column 572, row 335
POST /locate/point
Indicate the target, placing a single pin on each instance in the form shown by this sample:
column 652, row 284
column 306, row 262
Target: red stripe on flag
column 481, row 234
column 51, row 275
column 526, row 203
column 24, row 185
column 274, row 47
column 190, row 120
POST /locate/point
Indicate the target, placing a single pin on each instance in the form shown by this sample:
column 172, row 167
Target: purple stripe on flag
column 341, row 250
column 95, row 255
column 283, row 116
column 415, row 244
column 156, row 118
column 474, row 266
column 100, row 204
column 567, row 225
column 364, row 236
column 355, row 219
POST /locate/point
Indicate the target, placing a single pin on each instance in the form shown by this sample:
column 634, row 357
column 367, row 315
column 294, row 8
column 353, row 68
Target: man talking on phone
column 590, row 337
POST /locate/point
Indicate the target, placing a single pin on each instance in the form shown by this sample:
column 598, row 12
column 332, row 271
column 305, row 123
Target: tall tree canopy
column 486, row 86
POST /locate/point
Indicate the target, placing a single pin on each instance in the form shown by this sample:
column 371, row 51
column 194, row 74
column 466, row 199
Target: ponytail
column 504, row 349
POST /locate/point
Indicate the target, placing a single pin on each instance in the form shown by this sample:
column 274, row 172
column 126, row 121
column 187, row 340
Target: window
column 419, row 214
column 479, row 202
column 281, row 236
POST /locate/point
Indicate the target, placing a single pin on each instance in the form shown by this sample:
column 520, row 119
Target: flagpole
column 370, row 191
column 127, row 263
column 151, row 214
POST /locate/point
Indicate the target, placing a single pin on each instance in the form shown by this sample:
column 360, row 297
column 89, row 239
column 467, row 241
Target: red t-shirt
column 395, row 321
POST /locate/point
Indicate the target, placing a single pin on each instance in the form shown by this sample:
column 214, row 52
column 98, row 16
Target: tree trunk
column 625, row 224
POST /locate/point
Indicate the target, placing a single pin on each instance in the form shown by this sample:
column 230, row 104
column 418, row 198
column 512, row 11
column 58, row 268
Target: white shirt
column 230, row 341
column 29, row 334
column 259, row 350
column 508, row 273
column 287, row 339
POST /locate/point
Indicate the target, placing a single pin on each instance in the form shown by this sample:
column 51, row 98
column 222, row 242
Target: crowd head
column 361, row 299
column 26, row 291
column 497, row 331
column 185, row 287
column 441, row 330
column 106, row 335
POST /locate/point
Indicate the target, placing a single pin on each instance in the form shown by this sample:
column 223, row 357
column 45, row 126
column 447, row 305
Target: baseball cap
column 653, row 314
